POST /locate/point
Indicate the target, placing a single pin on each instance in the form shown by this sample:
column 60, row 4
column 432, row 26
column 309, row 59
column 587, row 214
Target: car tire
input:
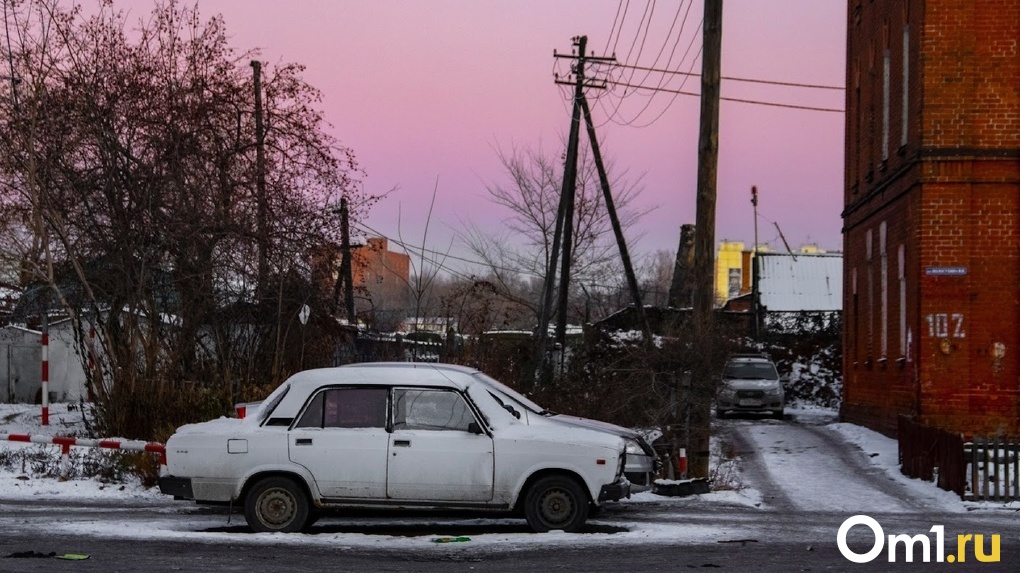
column 556, row 502
column 778, row 414
column 276, row 504
column 721, row 414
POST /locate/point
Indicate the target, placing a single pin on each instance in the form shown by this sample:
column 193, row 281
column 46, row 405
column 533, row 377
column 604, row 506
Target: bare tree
column 530, row 195
column 656, row 277
column 128, row 157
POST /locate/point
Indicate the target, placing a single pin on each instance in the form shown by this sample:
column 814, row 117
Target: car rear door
column 436, row 450
column 341, row 439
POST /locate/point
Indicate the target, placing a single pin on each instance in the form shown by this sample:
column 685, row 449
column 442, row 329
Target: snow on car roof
column 385, row 373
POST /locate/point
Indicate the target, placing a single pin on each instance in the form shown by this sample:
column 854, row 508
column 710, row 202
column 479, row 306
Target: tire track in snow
column 812, row 469
column 753, row 468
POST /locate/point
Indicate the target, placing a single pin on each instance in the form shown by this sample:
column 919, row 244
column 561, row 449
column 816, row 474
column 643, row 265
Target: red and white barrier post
column 65, row 444
column 681, row 463
column 45, row 369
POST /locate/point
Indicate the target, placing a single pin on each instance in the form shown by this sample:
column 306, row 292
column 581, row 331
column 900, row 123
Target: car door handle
column 303, row 442
column 402, row 443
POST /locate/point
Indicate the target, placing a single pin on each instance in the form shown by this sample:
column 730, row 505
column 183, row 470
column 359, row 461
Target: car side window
column 346, row 408
column 429, row 409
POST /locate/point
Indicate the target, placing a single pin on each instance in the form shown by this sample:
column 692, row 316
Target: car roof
column 436, row 366
column 385, row 374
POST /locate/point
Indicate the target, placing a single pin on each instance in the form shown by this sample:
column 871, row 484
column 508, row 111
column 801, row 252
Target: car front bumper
column 615, row 491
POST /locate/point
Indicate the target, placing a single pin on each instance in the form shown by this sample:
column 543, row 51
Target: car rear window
column 346, row 408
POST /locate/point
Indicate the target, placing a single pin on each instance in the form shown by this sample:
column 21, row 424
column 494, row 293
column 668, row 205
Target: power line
column 660, row 89
column 615, row 113
column 734, row 79
column 740, row 100
column 418, row 251
column 626, row 9
column 609, row 40
column 421, row 251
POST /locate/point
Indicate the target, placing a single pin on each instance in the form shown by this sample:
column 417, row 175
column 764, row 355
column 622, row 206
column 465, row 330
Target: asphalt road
column 794, row 530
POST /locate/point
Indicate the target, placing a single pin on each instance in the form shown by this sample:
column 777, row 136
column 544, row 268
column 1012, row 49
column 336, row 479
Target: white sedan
column 393, row 436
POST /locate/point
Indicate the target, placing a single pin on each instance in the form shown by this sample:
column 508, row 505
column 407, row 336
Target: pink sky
column 424, row 91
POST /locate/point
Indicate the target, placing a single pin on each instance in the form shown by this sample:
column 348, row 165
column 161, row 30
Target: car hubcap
column 556, row 506
column 276, row 508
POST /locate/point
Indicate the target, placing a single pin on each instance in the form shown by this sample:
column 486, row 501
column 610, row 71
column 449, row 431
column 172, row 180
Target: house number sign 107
column 945, row 325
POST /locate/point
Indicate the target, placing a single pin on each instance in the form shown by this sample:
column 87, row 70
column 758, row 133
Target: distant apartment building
column 932, row 215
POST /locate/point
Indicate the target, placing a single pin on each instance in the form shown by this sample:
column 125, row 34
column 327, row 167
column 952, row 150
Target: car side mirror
column 474, row 428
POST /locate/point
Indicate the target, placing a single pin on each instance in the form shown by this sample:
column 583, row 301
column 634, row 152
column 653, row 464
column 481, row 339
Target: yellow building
column 729, row 271
column 733, row 269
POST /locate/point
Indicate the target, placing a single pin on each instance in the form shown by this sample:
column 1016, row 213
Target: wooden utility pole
column 262, row 214
column 621, row 241
column 563, row 236
column 704, row 383
column 755, row 327
column 569, row 191
column 564, row 219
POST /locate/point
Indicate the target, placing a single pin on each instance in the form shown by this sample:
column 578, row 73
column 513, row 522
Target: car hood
column 742, row 384
column 596, row 425
column 605, row 427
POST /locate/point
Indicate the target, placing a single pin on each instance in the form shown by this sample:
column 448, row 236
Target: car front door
column 341, row 438
column 437, row 450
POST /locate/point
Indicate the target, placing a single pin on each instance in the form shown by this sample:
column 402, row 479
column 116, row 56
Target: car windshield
column 750, row 371
column 513, row 395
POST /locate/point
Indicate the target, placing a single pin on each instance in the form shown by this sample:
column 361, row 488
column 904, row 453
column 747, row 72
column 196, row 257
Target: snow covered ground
column 27, row 479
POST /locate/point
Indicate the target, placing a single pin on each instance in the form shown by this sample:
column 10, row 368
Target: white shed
column 21, row 365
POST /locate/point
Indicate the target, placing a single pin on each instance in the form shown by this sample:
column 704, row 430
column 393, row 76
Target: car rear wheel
column 276, row 504
column 556, row 502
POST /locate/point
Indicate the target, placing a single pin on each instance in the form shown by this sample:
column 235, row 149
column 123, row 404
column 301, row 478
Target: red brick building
column 375, row 263
column 932, row 214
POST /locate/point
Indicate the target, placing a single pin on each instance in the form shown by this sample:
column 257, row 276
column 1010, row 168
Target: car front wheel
column 276, row 504
column 556, row 502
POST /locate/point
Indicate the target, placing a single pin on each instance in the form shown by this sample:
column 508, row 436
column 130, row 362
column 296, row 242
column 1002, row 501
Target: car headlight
column 634, row 448
column 774, row 392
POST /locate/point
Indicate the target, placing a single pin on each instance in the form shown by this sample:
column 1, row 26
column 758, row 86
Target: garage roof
column 801, row 282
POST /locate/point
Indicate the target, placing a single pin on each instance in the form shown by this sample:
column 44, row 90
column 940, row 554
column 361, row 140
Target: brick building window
column 885, row 104
column 902, row 272
column 856, row 309
column 884, row 278
column 871, row 293
column 855, row 103
column 906, row 84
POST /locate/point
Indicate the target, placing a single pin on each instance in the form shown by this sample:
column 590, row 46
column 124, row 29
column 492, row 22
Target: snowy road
column 803, row 467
